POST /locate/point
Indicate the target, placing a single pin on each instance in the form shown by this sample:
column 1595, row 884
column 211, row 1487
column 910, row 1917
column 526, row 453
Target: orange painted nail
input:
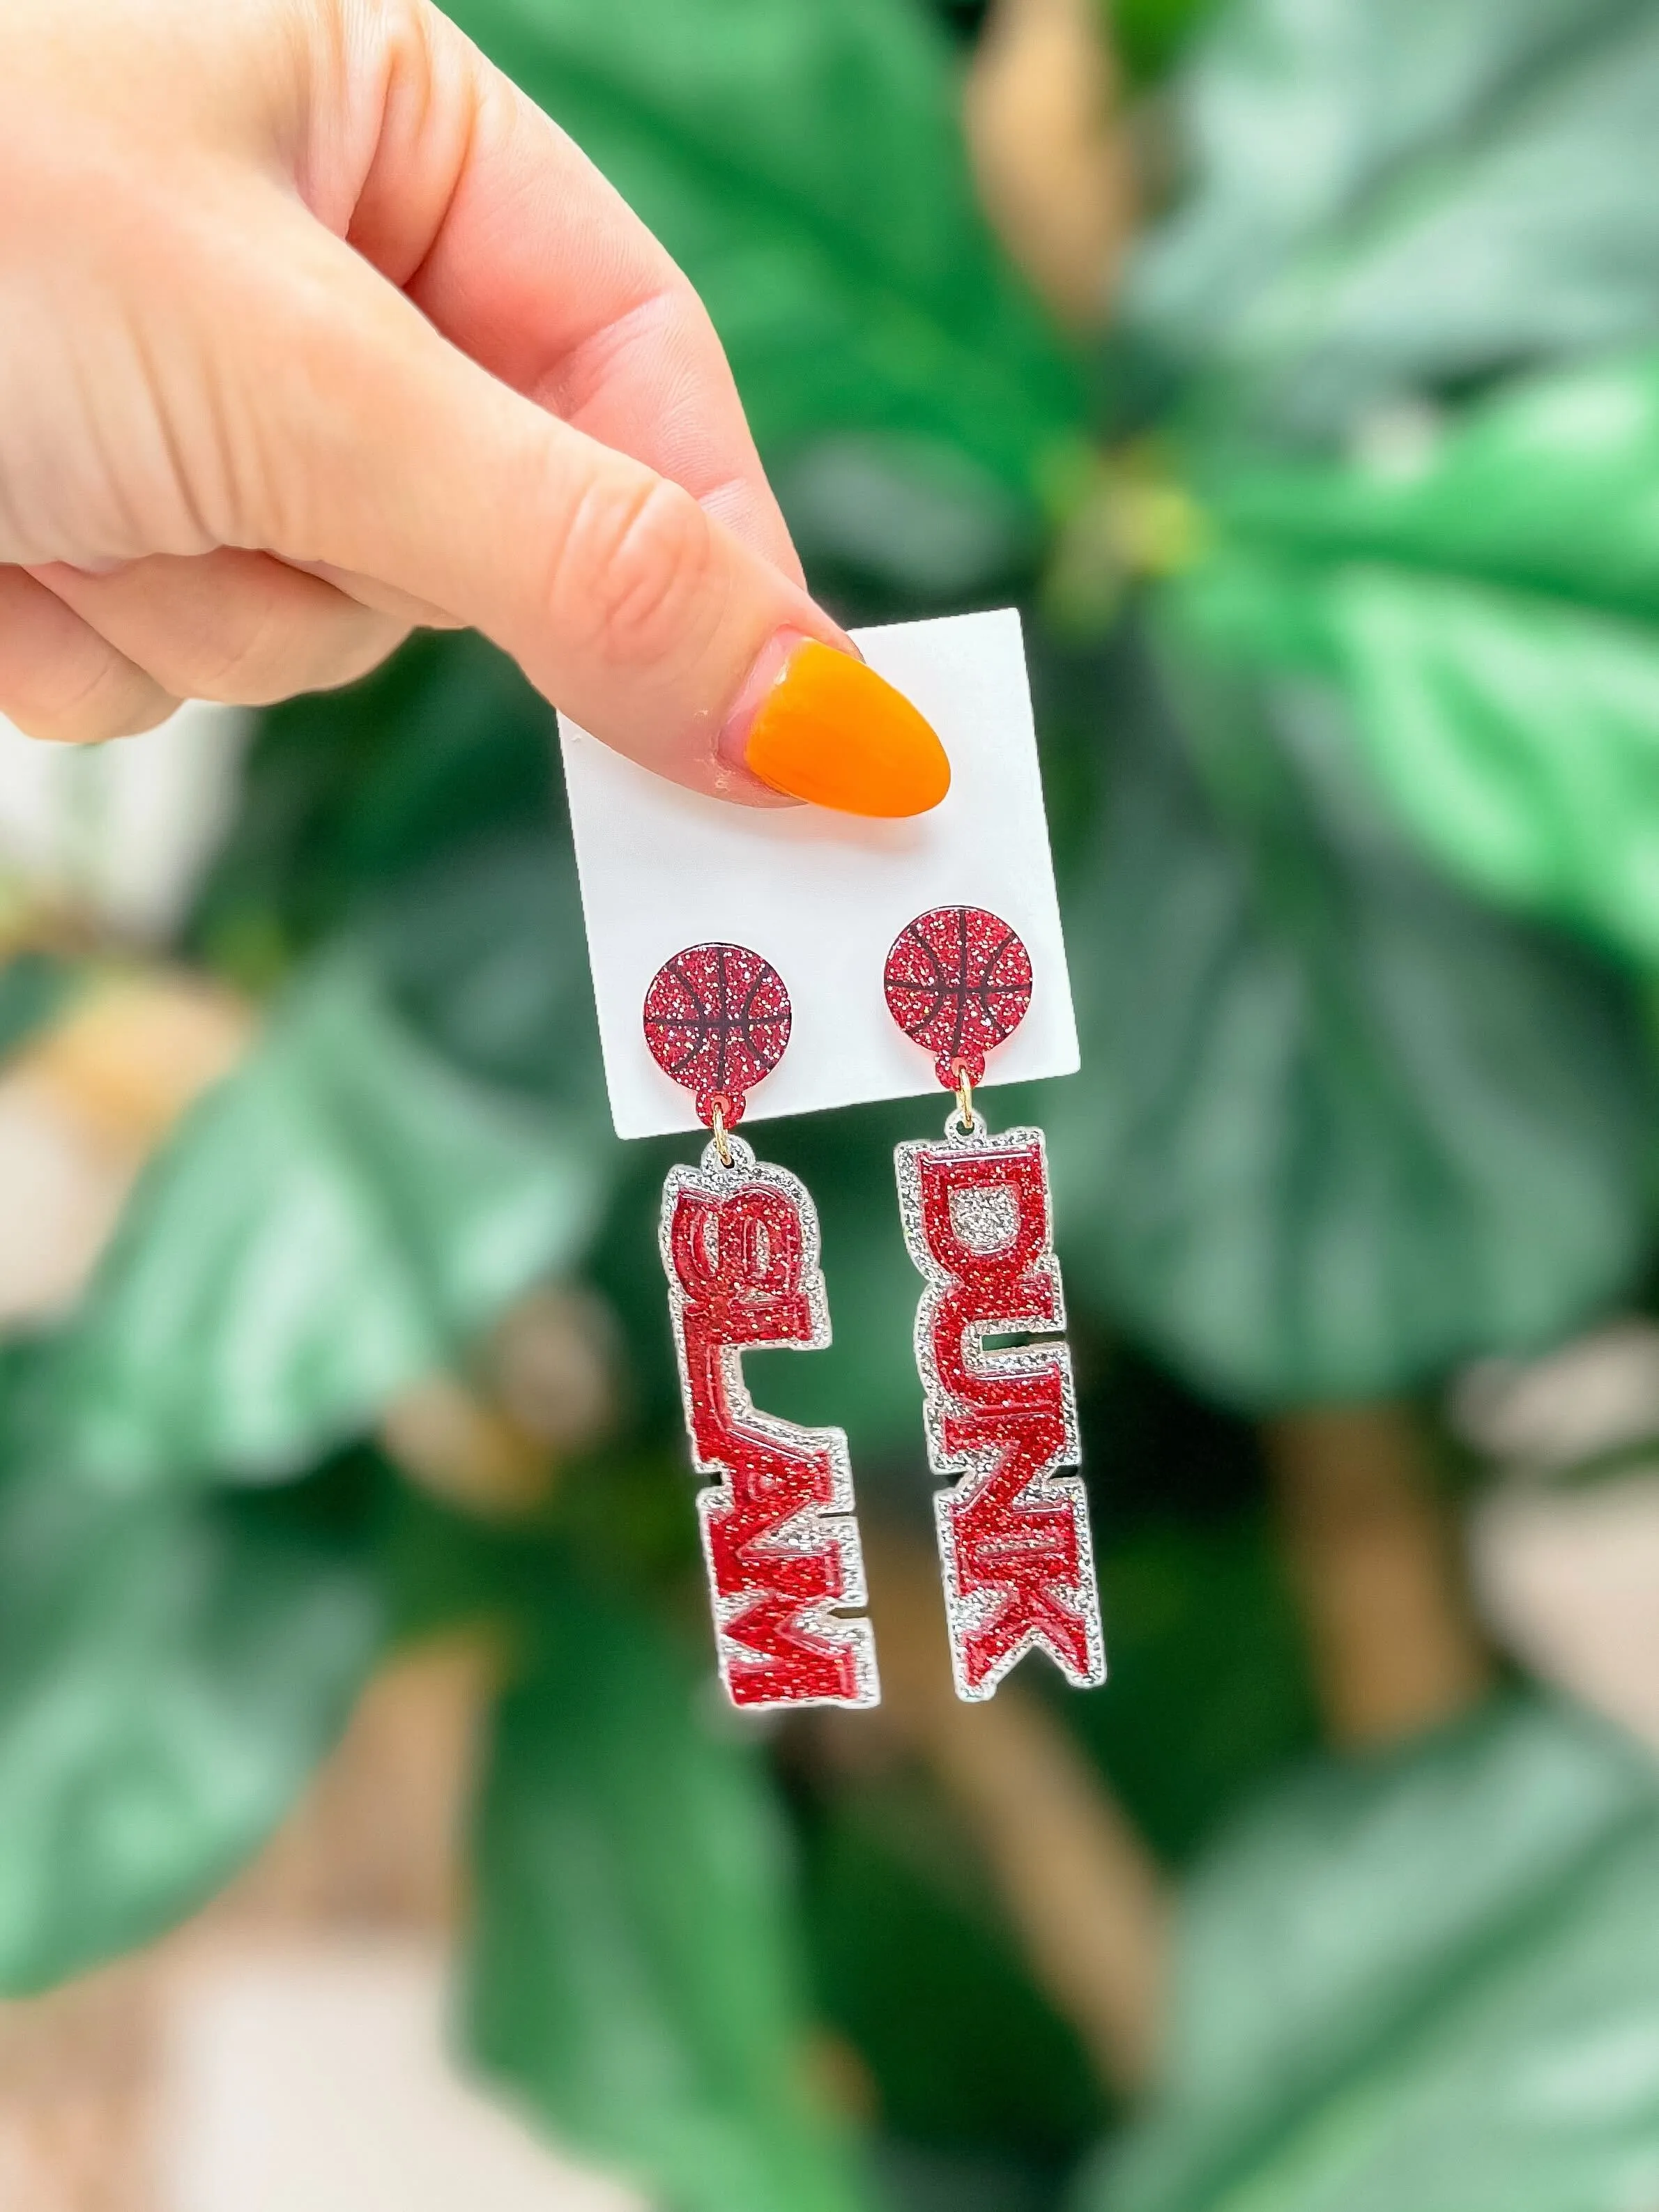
column 828, row 730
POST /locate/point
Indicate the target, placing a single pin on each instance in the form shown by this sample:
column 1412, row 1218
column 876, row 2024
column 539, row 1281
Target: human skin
column 312, row 328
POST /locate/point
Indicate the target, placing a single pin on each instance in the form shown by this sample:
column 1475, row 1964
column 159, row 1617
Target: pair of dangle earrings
column 740, row 1245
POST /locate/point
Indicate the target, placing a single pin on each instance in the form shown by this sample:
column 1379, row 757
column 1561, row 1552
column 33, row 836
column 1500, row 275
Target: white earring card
column 821, row 895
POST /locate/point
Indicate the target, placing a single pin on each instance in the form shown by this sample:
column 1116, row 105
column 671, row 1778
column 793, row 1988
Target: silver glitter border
column 964, row 1615
column 807, row 1530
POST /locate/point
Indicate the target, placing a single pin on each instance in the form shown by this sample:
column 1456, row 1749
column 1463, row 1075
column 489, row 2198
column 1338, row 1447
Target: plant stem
column 1050, row 152
column 1082, row 1891
column 1395, row 1645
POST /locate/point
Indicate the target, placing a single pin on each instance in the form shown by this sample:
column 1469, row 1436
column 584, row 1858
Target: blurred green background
column 1294, row 364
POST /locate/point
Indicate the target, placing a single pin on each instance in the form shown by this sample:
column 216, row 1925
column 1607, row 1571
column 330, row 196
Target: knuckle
column 276, row 654
column 666, row 323
column 633, row 568
column 113, row 700
column 354, row 653
column 242, row 668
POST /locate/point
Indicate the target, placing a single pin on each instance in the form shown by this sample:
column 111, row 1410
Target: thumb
column 627, row 604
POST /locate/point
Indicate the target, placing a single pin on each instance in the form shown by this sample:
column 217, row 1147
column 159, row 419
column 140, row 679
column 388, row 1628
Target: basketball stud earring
column 740, row 1246
column 1002, row 1421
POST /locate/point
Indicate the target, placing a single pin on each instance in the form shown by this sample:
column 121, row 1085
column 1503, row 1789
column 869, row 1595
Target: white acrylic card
column 823, row 896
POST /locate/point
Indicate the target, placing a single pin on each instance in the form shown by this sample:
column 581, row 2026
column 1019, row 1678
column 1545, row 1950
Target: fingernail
column 820, row 725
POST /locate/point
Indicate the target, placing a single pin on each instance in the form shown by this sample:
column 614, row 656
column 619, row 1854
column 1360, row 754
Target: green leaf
column 1210, row 1691
column 171, row 1672
column 1489, row 605
column 1149, row 36
column 336, row 1220
column 33, row 988
column 802, row 162
column 918, row 1967
column 1429, row 1979
column 1341, row 1128
column 484, row 955
column 1391, row 195
column 1517, row 736
column 631, row 1971
column 1350, row 1129
column 346, row 796
column 1543, row 487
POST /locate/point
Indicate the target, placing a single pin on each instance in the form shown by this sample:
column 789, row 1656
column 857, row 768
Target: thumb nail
column 821, row 725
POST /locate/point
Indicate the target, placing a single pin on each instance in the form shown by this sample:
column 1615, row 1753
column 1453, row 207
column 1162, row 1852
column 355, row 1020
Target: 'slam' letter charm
column 740, row 1246
column 741, row 1249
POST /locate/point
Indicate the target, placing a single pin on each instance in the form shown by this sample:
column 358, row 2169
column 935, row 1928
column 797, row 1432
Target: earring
column 1013, row 1532
column 740, row 1246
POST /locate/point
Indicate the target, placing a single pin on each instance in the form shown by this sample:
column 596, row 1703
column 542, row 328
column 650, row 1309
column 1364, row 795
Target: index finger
column 510, row 241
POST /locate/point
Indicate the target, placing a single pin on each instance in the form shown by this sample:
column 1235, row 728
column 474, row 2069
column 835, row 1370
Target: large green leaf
column 1489, row 605
column 1396, row 194
column 1149, row 36
column 347, row 795
column 34, row 987
column 335, row 1220
column 1421, row 1983
column 484, row 955
column 1346, row 1128
column 802, row 161
column 1545, row 486
column 631, row 1971
column 1209, row 1691
column 916, row 1964
column 171, row 1671
column 1341, row 1128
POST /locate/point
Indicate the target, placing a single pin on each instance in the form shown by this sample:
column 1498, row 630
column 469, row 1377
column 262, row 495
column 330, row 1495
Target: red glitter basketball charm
column 717, row 1020
column 958, row 981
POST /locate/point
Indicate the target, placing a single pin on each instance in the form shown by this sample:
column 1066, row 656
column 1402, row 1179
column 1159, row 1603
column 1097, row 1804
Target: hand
column 313, row 329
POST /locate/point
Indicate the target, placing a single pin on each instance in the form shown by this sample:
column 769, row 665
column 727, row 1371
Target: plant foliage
column 1425, row 1979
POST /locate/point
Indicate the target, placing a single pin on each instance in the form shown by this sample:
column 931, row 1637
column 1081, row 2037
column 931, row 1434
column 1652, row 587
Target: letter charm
column 1002, row 1419
column 740, row 1246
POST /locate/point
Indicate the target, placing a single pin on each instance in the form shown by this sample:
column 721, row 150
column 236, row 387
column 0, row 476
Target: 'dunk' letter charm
column 1013, row 1530
column 740, row 1246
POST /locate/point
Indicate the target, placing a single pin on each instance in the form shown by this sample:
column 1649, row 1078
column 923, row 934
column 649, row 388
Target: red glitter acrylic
column 1001, row 1422
column 958, row 981
column 740, row 1245
column 717, row 1019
